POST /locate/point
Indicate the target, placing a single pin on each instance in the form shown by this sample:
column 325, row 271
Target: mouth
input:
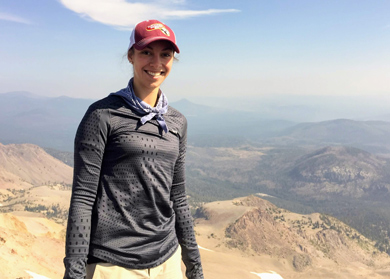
column 155, row 74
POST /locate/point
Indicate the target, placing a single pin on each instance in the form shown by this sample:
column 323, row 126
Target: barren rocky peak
column 26, row 165
column 305, row 242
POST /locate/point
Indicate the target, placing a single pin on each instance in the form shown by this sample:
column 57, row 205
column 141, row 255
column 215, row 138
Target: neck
column 149, row 96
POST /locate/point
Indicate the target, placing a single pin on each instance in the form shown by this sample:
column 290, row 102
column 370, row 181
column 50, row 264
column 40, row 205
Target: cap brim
column 143, row 43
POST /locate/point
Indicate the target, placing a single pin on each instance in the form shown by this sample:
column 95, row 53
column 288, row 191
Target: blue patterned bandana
column 142, row 108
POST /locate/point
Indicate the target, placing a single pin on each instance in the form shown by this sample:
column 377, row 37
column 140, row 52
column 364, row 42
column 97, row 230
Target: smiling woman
column 152, row 66
column 129, row 216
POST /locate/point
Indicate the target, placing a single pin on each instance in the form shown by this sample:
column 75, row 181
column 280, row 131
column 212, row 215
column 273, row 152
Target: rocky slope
column 26, row 165
column 36, row 247
column 31, row 179
column 294, row 245
column 34, row 200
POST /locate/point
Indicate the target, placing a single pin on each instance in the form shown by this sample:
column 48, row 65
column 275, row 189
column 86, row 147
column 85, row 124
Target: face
column 151, row 65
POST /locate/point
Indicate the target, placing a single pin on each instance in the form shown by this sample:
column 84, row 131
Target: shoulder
column 101, row 110
column 109, row 102
column 176, row 120
column 176, row 115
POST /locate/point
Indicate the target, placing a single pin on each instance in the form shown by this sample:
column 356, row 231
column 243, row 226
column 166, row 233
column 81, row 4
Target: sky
column 243, row 49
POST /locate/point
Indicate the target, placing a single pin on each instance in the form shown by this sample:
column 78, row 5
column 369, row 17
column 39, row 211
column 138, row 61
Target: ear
column 130, row 54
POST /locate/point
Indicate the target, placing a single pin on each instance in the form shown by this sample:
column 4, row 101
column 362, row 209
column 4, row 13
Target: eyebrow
column 167, row 48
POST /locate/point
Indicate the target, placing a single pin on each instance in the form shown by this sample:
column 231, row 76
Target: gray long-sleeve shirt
column 128, row 204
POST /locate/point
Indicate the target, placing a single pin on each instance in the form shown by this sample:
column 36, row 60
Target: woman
column 129, row 216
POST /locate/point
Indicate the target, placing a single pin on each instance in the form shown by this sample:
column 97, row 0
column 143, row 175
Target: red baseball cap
column 149, row 31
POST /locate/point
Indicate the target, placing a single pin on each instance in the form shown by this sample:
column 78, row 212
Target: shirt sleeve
column 89, row 147
column 184, row 224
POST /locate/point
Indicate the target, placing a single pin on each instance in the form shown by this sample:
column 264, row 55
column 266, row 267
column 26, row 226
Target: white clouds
column 121, row 13
column 183, row 13
column 14, row 18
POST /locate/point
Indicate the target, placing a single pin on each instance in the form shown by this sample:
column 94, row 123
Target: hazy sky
column 228, row 48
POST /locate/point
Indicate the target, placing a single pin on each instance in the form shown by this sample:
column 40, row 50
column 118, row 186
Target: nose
column 155, row 61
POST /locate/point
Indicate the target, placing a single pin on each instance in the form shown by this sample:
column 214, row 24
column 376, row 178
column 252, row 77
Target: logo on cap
column 165, row 31
column 157, row 26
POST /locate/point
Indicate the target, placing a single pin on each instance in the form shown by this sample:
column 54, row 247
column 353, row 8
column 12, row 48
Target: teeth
column 154, row 74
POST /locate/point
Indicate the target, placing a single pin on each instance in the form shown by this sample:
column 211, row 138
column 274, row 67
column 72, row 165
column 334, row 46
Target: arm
column 89, row 146
column 184, row 224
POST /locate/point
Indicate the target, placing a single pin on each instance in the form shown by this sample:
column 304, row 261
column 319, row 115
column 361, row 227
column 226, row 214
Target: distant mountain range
column 368, row 135
column 47, row 122
column 52, row 123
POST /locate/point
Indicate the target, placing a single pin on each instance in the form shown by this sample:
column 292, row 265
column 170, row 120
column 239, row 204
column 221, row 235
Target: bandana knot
column 145, row 110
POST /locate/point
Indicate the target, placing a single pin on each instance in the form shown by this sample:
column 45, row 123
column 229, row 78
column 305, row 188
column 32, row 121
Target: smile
column 154, row 73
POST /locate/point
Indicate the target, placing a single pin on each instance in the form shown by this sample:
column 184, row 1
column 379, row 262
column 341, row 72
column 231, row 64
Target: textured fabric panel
column 128, row 204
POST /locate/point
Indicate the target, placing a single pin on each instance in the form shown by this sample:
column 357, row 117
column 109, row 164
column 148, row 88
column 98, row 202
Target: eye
column 145, row 52
column 166, row 54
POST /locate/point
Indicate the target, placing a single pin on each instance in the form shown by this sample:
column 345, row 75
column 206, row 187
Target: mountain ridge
column 305, row 246
column 32, row 165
